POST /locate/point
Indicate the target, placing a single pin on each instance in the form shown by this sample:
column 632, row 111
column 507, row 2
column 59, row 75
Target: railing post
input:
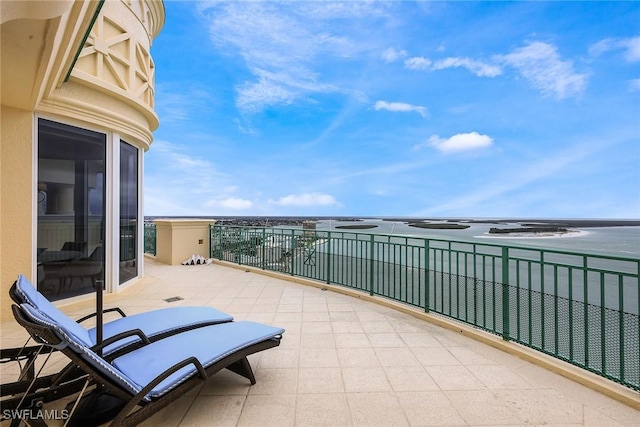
column 328, row 257
column 371, row 263
column 293, row 250
column 505, row 293
column 621, row 327
column 585, row 300
column 239, row 249
column 211, row 240
column 427, row 277
column 222, row 232
column 263, row 248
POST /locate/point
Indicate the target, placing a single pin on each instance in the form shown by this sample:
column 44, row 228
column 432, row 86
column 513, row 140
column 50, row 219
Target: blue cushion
column 208, row 344
column 158, row 322
column 79, row 347
column 150, row 323
column 31, row 296
column 134, row 370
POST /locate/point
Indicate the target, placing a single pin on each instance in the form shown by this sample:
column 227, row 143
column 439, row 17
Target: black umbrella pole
column 99, row 310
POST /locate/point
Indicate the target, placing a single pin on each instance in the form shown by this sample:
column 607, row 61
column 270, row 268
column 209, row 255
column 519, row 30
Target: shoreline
column 262, row 221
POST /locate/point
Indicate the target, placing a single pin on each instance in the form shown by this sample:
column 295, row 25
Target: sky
column 396, row 109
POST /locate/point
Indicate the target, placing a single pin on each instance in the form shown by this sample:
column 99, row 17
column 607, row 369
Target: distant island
column 357, row 227
column 438, row 226
column 528, row 222
column 534, row 230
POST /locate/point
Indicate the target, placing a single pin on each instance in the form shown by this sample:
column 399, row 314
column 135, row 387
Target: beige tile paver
column 344, row 361
column 327, row 410
column 320, row 380
column 429, row 408
column 376, row 409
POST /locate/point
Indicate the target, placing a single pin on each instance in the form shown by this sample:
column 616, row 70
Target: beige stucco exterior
column 179, row 239
column 80, row 62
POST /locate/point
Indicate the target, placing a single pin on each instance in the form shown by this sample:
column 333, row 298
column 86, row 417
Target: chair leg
column 243, row 368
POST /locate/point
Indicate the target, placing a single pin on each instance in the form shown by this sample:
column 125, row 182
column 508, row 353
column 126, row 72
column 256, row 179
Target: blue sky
column 427, row 109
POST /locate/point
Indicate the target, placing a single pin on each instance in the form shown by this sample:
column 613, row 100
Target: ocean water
column 613, row 241
column 619, row 242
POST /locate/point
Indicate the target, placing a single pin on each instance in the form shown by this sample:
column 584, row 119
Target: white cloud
column 635, row 84
column 417, row 63
column 537, row 62
column 306, row 200
column 234, row 203
column 392, row 55
column 342, row 9
column 540, row 63
column 176, row 105
column 632, row 53
column 458, row 143
column 177, row 165
column 601, row 47
column 400, row 106
column 630, row 47
column 255, row 96
column 178, row 180
column 282, row 44
column 478, row 68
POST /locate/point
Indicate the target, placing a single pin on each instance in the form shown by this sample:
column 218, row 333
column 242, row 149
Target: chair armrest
column 117, row 337
column 175, row 368
column 108, row 310
column 132, row 403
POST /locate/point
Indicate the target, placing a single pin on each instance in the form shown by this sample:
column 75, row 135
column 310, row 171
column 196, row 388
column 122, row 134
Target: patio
column 346, row 361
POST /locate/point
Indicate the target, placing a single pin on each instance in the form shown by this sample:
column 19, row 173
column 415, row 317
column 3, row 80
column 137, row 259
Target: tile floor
column 348, row 362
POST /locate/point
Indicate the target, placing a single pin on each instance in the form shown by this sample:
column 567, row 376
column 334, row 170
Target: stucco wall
column 177, row 240
column 16, row 200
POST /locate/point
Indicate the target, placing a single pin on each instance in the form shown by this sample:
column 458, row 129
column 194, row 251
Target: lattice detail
column 143, row 75
column 112, row 56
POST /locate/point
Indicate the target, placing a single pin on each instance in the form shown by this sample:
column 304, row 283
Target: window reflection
column 70, row 233
column 128, row 212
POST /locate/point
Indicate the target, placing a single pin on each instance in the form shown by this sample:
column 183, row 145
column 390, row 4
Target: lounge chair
column 154, row 325
column 155, row 374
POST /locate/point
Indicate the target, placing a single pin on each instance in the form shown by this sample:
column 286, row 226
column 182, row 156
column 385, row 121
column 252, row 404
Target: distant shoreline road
column 428, row 223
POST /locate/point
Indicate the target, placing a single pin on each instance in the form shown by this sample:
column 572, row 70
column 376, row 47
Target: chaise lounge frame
column 32, row 391
column 235, row 361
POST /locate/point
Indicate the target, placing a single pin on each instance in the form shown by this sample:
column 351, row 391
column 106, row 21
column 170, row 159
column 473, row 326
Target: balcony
column 347, row 360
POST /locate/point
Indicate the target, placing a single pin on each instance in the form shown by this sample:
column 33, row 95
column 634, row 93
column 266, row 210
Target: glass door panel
column 128, row 212
column 71, row 209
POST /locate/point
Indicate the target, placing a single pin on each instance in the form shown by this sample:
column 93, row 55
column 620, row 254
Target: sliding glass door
column 128, row 212
column 71, row 209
